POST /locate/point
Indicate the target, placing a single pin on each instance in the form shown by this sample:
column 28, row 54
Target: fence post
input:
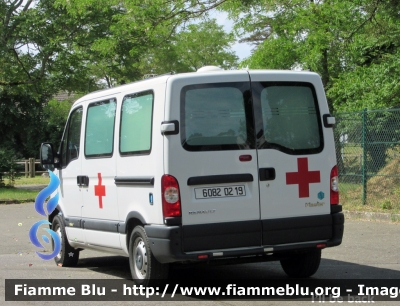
column 364, row 164
column 26, row 168
column 31, row 167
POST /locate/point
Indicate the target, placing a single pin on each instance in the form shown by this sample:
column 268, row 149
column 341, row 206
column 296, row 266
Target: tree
column 371, row 82
column 55, row 116
column 191, row 48
column 148, row 37
column 38, row 44
column 205, row 44
column 332, row 37
column 71, row 44
column 79, row 46
column 21, row 122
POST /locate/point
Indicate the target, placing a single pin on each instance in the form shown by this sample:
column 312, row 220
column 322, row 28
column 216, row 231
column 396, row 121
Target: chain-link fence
column 368, row 156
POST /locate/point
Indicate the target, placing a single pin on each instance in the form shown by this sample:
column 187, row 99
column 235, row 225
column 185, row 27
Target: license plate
column 220, row 192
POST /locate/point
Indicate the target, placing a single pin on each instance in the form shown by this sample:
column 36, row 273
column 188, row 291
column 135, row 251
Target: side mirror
column 47, row 156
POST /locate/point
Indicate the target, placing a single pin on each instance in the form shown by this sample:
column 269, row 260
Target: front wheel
column 302, row 265
column 68, row 256
column 145, row 268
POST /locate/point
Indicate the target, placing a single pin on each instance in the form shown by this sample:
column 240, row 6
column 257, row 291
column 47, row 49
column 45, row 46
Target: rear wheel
column 68, row 256
column 302, row 265
column 145, row 268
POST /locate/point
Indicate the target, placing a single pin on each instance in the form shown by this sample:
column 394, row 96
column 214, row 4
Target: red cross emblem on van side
column 303, row 177
column 100, row 191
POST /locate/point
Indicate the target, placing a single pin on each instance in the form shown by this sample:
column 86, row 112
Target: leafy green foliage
column 374, row 86
column 205, row 44
column 75, row 45
column 21, row 117
column 38, row 43
column 56, row 114
column 82, row 45
column 193, row 47
column 7, row 166
column 144, row 37
column 353, row 45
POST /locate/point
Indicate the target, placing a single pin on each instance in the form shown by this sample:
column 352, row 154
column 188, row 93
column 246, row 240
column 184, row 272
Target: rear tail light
column 334, row 186
column 170, row 196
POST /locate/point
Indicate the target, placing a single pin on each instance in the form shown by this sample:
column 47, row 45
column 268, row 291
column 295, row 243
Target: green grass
column 351, row 199
column 352, row 150
column 38, row 180
column 15, row 194
column 345, row 187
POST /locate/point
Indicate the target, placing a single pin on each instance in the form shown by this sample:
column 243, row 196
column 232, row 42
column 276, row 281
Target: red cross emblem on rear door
column 303, row 177
column 100, row 191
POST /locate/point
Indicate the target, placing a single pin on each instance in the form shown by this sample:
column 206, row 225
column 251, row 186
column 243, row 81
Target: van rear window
column 216, row 117
column 290, row 117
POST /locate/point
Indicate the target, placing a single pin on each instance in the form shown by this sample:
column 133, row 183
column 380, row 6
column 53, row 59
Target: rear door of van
column 295, row 156
column 214, row 159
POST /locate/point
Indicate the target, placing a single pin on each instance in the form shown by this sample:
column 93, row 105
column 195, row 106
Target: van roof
column 163, row 78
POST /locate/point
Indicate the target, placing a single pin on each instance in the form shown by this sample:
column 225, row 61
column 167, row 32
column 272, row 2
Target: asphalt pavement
column 370, row 250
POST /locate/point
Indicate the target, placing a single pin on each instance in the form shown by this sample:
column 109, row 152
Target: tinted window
column 290, row 117
column 216, row 117
column 99, row 135
column 70, row 144
column 136, row 122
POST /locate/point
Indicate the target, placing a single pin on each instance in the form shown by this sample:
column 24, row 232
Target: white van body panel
column 183, row 164
column 86, row 204
column 252, row 152
column 284, row 202
column 136, row 197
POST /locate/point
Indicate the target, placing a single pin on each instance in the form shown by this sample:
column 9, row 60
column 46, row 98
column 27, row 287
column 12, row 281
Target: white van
column 203, row 166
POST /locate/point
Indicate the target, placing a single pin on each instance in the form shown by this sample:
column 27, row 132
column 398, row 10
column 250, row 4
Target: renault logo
column 198, row 212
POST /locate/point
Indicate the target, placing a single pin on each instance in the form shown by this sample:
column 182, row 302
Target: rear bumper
column 298, row 234
column 337, row 229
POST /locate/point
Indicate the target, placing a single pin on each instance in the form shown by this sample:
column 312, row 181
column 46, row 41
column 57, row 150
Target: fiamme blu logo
column 45, row 211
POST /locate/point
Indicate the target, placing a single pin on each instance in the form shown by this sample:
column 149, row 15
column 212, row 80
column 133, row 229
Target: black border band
column 134, row 180
column 220, row 179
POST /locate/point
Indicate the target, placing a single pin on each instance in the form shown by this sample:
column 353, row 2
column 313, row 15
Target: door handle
column 267, row 174
column 82, row 180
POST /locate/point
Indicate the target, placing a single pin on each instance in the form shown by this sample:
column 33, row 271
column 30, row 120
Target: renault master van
column 206, row 166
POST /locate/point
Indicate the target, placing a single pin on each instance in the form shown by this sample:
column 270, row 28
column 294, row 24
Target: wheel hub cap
column 140, row 259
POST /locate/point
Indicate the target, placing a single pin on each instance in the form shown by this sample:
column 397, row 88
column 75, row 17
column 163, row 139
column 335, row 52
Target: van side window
column 216, row 117
column 136, row 123
column 290, row 117
column 72, row 137
column 99, row 134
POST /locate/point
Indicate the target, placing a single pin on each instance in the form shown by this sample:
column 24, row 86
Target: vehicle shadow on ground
column 118, row 266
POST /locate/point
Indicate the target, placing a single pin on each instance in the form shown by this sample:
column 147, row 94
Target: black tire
column 68, row 256
column 145, row 268
column 302, row 265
